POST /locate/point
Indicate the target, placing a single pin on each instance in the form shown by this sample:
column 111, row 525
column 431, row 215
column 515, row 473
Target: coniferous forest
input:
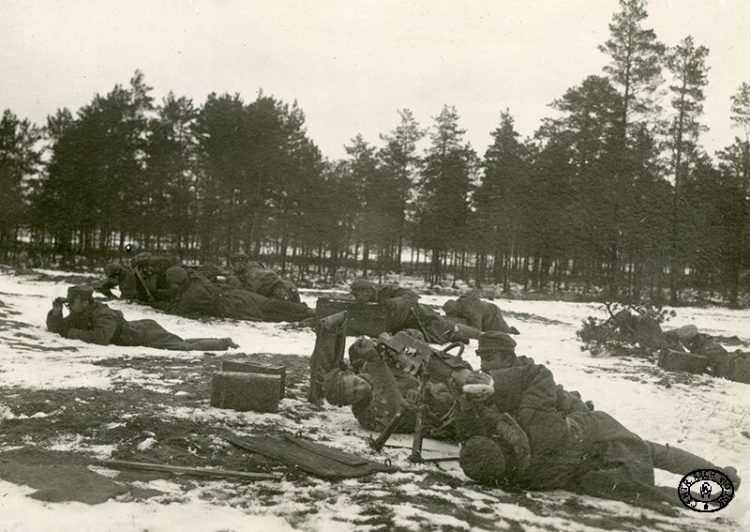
column 614, row 195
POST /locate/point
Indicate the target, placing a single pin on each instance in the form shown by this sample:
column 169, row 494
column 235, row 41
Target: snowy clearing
column 148, row 405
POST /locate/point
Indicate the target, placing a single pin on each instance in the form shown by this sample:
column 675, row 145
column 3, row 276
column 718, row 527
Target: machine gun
column 411, row 353
column 427, row 364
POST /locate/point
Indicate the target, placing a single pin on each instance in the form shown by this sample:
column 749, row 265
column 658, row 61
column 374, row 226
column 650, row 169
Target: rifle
column 414, row 314
column 138, row 276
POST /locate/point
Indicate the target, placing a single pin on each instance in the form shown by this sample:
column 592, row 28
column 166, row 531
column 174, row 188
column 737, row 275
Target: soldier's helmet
column 482, row 459
column 176, row 275
column 414, row 333
column 160, row 264
column 142, row 259
column 451, row 307
column 359, row 352
column 334, row 387
column 238, row 257
column 113, row 269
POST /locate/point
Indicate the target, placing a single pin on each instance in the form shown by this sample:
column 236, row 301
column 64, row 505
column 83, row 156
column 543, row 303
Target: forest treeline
column 613, row 192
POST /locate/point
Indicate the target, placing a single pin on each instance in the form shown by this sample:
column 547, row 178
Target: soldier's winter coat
column 198, row 297
column 99, row 324
column 405, row 312
column 481, row 315
column 582, row 450
column 390, row 389
column 266, row 282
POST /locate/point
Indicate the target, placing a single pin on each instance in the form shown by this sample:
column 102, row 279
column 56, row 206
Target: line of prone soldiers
column 249, row 291
column 518, row 428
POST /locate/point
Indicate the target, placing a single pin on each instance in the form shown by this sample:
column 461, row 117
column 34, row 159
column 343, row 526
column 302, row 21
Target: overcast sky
column 351, row 64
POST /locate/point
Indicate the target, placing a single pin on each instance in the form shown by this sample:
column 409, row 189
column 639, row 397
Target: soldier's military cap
column 495, row 342
column 80, row 292
column 361, row 284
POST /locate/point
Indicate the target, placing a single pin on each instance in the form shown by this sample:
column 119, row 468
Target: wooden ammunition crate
column 254, row 367
column 671, row 360
column 362, row 319
column 258, row 392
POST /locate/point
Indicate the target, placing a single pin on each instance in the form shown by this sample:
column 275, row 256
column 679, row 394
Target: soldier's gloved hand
column 57, row 304
column 478, row 386
column 408, row 362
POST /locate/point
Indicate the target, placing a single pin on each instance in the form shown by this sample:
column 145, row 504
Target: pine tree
column 500, row 200
column 635, row 69
column 20, row 159
column 687, row 63
column 399, row 164
column 735, row 165
column 447, row 180
column 172, row 169
column 371, row 224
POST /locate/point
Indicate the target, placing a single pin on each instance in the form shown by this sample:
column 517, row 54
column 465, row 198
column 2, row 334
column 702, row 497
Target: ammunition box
column 671, row 360
column 258, row 392
column 362, row 319
column 254, row 367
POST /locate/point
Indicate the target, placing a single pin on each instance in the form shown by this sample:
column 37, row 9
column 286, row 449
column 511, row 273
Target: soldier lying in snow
column 96, row 323
column 143, row 281
column 384, row 381
column 479, row 314
column 195, row 296
column 405, row 312
column 520, row 438
column 648, row 333
column 260, row 279
column 733, row 366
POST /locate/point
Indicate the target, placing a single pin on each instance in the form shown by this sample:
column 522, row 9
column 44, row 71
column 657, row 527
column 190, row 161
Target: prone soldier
column 195, row 296
column 386, row 380
column 522, row 439
column 405, row 312
column 94, row 322
column 260, row 279
column 481, row 315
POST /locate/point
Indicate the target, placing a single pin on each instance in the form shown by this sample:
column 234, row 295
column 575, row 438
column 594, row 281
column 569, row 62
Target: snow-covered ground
column 710, row 417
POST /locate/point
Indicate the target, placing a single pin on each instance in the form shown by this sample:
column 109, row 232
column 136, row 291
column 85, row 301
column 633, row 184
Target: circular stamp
column 706, row 490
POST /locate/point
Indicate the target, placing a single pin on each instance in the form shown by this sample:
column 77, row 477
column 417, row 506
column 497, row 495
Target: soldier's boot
column 682, row 462
column 210, row 344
